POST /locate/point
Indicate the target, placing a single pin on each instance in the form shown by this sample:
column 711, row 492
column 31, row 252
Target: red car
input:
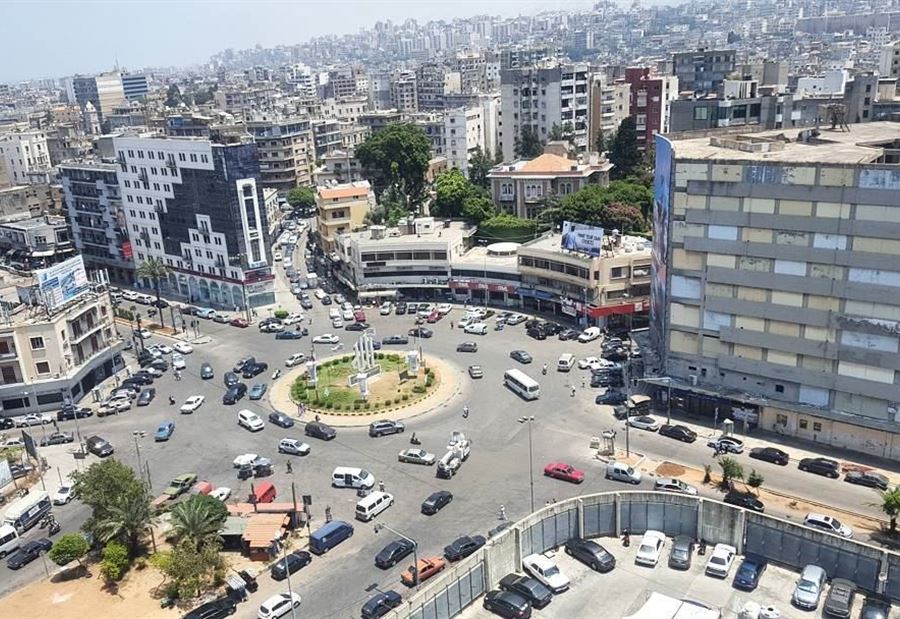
column 239, row 322
column 566, row 472
column 434, row 316
column 428, row 567
column 359, row 316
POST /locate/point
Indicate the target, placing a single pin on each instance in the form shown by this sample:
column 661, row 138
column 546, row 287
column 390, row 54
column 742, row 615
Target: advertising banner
column 582, row 238
column 5, row 474
column 662, row 201
column 62, row 282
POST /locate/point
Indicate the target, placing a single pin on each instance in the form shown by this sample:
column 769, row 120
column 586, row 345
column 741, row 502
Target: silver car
column 809, row 587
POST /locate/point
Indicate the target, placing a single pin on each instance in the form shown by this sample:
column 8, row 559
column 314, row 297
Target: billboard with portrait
column 62, row 282
column 582, row 238
column 662, row 207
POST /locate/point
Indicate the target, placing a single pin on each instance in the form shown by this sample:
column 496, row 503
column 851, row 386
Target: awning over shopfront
column 377, row 294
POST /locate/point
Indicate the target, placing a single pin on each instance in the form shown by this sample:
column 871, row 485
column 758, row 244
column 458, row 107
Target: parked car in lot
column 533, row 590
column 217, row 609
column 682, row 553
column 69, row 412
column 462, row 547
column 417, row 456
column 278, row 605
column 726, row 444
column 749, row 572
column 678, row 432
column 425, row 569
column 146, row 396
column 747, row 500
column 507, row 604
column 840, row 598
column 612, row 398
column 393, row 553
column 546, row 571
column 821, row 466
column 644, row 422
column 296, row 560
column 590, row 553
column 867, row 478
column 875, row 607
column 565, row 472
column 769, row 454
column 650, row 548
column 381, row 603
column 385, row 427
column 809, row 587
column 720, row 560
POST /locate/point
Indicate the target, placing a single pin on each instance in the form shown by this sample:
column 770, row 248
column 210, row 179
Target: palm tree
column 195, row 520
column 731, row 470
column 890, row 505
column 127, row 519
column 155, row 270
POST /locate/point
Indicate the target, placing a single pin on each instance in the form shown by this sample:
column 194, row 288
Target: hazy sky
column 44, row 38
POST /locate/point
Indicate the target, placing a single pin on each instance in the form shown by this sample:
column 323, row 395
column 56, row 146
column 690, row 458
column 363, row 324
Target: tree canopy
column 70, row 547
column 504, row 227
column 198, row 519
column 455, row 196
column 620, row 205
column 564, row 132
column 173, row 96
column 302, row 197
column 623, row 150
column 480, row 164
column 528, row 144
column 399, row 153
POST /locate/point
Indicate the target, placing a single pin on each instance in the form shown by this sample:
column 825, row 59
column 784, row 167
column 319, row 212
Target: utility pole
column 627, row 377
column 529, row 421
column 380, row 526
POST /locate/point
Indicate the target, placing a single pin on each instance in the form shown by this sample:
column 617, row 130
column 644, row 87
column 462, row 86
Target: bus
column 27, row 511
column 522, row 384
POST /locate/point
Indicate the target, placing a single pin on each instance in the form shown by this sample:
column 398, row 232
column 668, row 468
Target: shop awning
column 374, row 294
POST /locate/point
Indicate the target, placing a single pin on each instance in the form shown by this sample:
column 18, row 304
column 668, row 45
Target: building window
column 779, row 388
column 701, row 113
column 37, row 343
column 618, row 272
column 781, row 420
column 42, row 367
column 817, row 427
column 804, row 424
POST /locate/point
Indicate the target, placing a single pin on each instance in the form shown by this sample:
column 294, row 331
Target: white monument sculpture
column 364, row 364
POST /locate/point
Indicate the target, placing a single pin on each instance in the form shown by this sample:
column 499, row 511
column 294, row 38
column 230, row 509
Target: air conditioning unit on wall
column 693, row 378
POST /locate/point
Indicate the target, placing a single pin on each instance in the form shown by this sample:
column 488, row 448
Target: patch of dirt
column 670, row 469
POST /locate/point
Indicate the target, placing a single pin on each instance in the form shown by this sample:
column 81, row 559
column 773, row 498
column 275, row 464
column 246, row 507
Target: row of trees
column 122, row 518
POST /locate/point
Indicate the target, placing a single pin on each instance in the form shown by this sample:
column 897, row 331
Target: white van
column 620, row 471
column 9, row 539
column 250, row 420
column 373, row 504
column 476, row 328
column 351, row 477
column 589, row 335
column 566, row 362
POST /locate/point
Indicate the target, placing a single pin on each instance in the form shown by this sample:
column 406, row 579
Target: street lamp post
column 627, row 368
column 380, row 526
column 288, row 572
column 483, row 243
column 529, row 421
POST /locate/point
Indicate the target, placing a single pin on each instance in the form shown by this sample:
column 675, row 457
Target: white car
column 222, row 493
column 668, row 484
column 417, row 456
column 425, row 311
column 465, row 321
column 444, row 309
column 515, row 319
column 292, row 319
column 476, row 328
column 293, row 446
column 63, row 495
column 144, row 334
column 276, row 256
column 33, row 419
column 719, row 563
column 595, row 363
column 184, row 348
column 644, row 422
column 327, row 338
column 347, row 314
column 114, row 406
column 385, row 308
column 250, row 420
column 296, row 359
column 15, row 441
column 337, row 323
column 178, row 362
column 244, row 459
column 278, row 605
column 589, row 335
column 546, row 571
column 651, row 546
column 166, row 350
column 727, row 444
column 152, row 371
column 272, row 327
column 192, row 404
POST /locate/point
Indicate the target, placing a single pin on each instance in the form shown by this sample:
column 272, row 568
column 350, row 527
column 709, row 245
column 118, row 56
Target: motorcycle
column 172, row 400
column 53, row 527
column 276, row 374
column 413, row 440
column 45, row 521
column 544, row 370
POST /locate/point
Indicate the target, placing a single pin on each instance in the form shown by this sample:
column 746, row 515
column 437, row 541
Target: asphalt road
column 498, row 471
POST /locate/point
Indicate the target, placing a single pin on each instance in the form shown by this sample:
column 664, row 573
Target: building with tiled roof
column 342, row 208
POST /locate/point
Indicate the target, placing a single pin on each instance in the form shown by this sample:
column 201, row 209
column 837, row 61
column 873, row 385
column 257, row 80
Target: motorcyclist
column 172, row 400
column 465, row 411
column 544, row 369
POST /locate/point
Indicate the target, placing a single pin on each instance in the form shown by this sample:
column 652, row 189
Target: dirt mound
column 670, row 469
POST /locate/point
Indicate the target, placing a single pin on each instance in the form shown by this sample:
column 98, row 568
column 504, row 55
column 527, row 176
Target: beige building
column 521, row 188
column 46, row 360
column 286, row 151
column 341, row 208
column 777, row 290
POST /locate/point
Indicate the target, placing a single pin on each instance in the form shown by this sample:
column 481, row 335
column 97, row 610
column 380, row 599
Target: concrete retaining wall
column 607, row 514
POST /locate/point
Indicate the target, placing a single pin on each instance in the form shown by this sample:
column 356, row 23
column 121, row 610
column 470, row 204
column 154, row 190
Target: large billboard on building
column 662, row 206
column 582, row 238
column 62, row 282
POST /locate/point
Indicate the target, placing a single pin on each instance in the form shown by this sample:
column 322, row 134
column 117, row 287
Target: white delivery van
column 313, row 280
column 351, row 477
column 566, row 362
column 373, row 504
column 620, row 471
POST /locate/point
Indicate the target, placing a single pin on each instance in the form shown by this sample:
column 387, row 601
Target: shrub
column 279, row 314
column 379, row 355
column 329, row 405
column 368, row 405
column 418, row 388
column 356, row 406
column 115, row 561
column 405, row 397
column 345, row 359
column 396, row 400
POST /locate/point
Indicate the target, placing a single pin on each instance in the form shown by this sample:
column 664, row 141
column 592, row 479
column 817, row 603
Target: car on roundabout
column 183, row 348
column 192, row 404
column 293, row 446
column 281, row 420
column 417, row 456
column 326, row 338
column 257, row 391
column 475, row 371
column 295, row 359
column 565, row 472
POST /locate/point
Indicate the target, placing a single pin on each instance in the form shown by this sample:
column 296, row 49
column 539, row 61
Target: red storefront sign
column 627, row 308
column 127, row 251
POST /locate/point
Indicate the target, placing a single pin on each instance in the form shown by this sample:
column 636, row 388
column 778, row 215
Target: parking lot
column 506, row 454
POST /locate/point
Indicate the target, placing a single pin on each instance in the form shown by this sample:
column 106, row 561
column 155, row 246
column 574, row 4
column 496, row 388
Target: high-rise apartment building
column 105, row 91
column 198, row 205
column 703, row 70
column 776, row 288
column 286, row 151
column 541, row 96
column 650, row 97
column 430, row 86
column 25, row 156
column 134, row 85
column 889, row 62
column 93, row 210
column 404, row 92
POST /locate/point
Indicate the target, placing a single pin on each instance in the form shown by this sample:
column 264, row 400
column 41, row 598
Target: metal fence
column 458, row 592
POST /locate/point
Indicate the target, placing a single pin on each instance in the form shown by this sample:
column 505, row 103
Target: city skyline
column 125, row 42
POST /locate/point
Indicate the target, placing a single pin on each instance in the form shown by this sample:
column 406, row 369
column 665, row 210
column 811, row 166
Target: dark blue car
column 164, row 432
column 749, row 573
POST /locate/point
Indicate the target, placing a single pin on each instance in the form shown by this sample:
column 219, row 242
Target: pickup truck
column 180, row 485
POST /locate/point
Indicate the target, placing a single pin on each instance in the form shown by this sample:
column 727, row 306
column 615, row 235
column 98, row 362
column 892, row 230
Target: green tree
column 564, row 132
column 890, row 505
column 528, row 144
column 390, row 209
column 755, row 480
column 451, row 191
column 503, row 227
column 156, row 271
column 127, row 519
column 479, row 207
column 173, row 96
column 399, row 153
column 603, row 206
column 600, row 141
column 192, row 569
column 731, row 470
column 115, row 561
column 624, row 152
column 480, row 164
column 302, row 197
column 100, row 485
column 70, row 547
column 198, row 519
column 203, row 96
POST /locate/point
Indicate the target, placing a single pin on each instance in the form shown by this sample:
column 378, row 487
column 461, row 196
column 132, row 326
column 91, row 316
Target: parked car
column 875, row 608
column 507, row 604
column 678, row 432
column 289, row 335
column 521, row 356
column 217, row 609
column 68, row 412
column 425, row 569
column 611, row 397
column 381, row 603
column 546, row 571
column 57, row 438
column 281, row 420
column 565, row 472
column 417, row 456
column 769, row 454
column 28, row 552
column 63, row 495
column 533, row 590
column 295, row 359
column 719, row 562
column 293, row 562
column 181, row 484
column 164, row 432
column 254, row 369
column 809, row 587
column 682, row 553
column 747, row 500
column 393, row 553
column 146, row 396
column 423, row 332
column 436, row 501
column 590, row 553
column 395, row 339
column 749, row 572
column 840, row 598
column 278, row 605
column 650, row 548
column 821, row 466
column 828, row 524
column 867, row 478
column 462, row 547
